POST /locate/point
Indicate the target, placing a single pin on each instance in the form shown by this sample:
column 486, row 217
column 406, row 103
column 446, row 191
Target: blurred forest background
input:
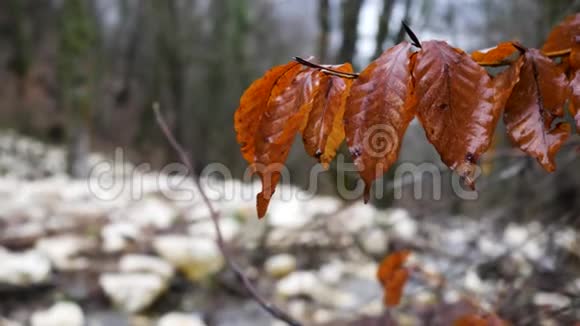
column 83, row 75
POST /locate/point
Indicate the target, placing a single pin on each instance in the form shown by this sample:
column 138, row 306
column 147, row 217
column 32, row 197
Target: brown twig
column 327, row 70
column 273, row 310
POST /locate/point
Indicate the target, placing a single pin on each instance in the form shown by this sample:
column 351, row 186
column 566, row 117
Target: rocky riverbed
column 71, row 255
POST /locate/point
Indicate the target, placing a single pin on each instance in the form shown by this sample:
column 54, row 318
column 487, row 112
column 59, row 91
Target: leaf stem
column 273, row 310
column 327, row 70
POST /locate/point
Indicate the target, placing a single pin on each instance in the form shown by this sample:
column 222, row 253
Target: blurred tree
column 383, row 30
column 350, row 18
column 77, row 73
column 324, row 32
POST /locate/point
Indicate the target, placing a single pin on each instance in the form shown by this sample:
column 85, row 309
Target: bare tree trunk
column 324, row 33
column 77, row 80
column 407, row 18
column 350, row 16
column 384, row 20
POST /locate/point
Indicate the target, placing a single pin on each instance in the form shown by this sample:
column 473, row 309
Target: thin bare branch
column 269, row 307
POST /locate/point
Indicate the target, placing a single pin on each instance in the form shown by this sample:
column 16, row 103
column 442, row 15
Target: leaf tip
column 411, row 34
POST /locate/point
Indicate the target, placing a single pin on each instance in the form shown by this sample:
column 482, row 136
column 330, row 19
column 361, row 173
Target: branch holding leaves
column 457, row 102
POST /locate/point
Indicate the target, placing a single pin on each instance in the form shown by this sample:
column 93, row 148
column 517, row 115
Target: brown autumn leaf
column 393, row 275
column 563, row 36
column 574, row 58
column 455, row 105
column 286, row 110
column 324, row 129
column 253, row 104
column 496, row 55
column 535, row 102
column 505, row 81
column 575, row 98
column 479, row 320
column 378, row 111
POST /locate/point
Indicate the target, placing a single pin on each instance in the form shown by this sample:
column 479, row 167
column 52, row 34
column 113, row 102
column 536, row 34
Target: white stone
column 63, row 251
column 287, row 214
column 117, row 236
column 229, row 227
column 297, row 283
column 332, row 272
column 280, row 265
column 403, row 225
column 181, row 319
column 147, row 264
column 152, row 211
column 566, row 238
column 196, row 257
column 555, row 300
column 490, row 247
column 515, row 235
column 374, row 241
column 474, row 283
column 133, row 292
column 60, row 314
column 22, row 269
column 355, row 218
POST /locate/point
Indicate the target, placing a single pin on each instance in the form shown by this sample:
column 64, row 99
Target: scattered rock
column 549, row 299
column 197, row 258
column 118, row 236
column 133, row 292
column 63, row 251
column 181, row 319
column 152, row 211
column 228, row 226
column 402, row 224
column 374, row 241
column 297, row 283
column 280, row 265
column 23, row 269
column 60, row 314
column 146, row 264
column 354, row 219
column 287, row 214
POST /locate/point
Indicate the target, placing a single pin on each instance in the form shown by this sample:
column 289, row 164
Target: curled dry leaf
column 286, row 110
column 393, row 275
column 323, row 131
column 535, row 102
column 378, row 111
column 505, row 82
column 497, row 55
column 253, row 104
column 563, row 36
column 575, row 98
column 455, row 105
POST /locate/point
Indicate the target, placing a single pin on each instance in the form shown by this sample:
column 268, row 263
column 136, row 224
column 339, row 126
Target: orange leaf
column 324, row 130
column 536, row 101
column 562, row 37
column 393, row 276
column 496, row 55
column 575, row 98
column 505, row 82
column 378, row 111
column 574, row 59
column 479, row 320
column 286, row 110
column 253, row 105
column 455, row 105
